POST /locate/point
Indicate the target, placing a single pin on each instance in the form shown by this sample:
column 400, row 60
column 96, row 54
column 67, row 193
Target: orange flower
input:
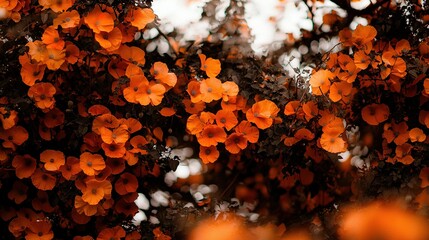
column 91, row 163
column 398, row 133
column 362, row 37
column 250, row 132
column 39, row 229
column 42, row 180
column 310, row 109
column 350, row 73
column 53, row 118
column 262, row 113
column 105, row 120
column 417, row 135
column 110, row 41
column 208, row 154
column 37, row 51
column 67, row 19
column 133, row 55
column 31, row 73
column 340, row 90
column 230, row 89
column 41, row 202
column 361, row 60
column 72, row 53
column 194, row 91
column 332, row 143
column 52, row 38
column 43, row 95
column 211, row 136
column 194, row 124
column 71, row 168
column 304, row 133
column 115, row 233
column 194, row 108
column 8, row 118
column 117, row 68
column 144, row 92
column 138, row 142
column 226, row 119
column 18, row 193
column 292, row 107
column 127, row 183
column 55, row 5
column 53, row 159
column 160, row 72
column 374, row 113
column 210, row 66
column 99, row 21
column 55, row 58
column 95, row 191
column 117, row 135
column 24, row 166
column 127, row 208
column 8, row 4
column 133, row 70
column 235, row 142
column 211, row 89
column 117, row 165
column 83, row 207
column 382, row 221
column 140, row 17
column 16, row 135
column 133, row 125
column 403, row 154
column 114, row 150
column 320, row 81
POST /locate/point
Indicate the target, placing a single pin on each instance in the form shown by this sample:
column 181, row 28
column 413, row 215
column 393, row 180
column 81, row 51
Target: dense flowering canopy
column 93, row 123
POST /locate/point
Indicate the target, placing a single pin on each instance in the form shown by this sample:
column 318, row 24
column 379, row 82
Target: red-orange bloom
column 114, row 150
column 99, row 21
column 55, row 5
column 91, row 163
column 53, row 118
column 127, row 183
column 226, row 119
column 43, row 95
column 42, row 180
column 95, row 191
column 110, row 41
column 235, row 142
column 117, row 135
column 67, row 19
column 31, row 73
column 210, row 66
column 52, row 38
column 71, row 168
column 262, row 113
column 208, row 154
column 18, row 193
column 250, row 132
column 374, row 113
column 211, row 136
column 140, row 17
column 115, row 233
column 160, row 72
column 211, row 89
column 16, row 135
column 53, row 159
column 24, row 166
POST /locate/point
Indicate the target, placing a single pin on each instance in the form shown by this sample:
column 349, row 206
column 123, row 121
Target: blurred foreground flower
column 382, row 221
